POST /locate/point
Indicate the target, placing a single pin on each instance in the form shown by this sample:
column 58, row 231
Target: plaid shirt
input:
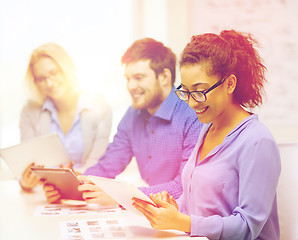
column 161, row 145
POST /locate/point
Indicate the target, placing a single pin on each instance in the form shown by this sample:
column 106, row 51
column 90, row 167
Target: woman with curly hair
column 230, row 179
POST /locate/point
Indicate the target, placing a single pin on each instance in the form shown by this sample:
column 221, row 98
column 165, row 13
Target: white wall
column 274, row 23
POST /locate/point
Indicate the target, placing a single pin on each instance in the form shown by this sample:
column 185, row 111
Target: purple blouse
column 231, row 194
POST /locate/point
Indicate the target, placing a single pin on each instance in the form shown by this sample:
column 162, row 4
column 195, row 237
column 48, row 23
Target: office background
column 97, row 32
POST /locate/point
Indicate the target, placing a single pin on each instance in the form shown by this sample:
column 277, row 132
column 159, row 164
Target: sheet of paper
column 64, row 210
column 95, row 229
column 47, row 150
column 122, row 192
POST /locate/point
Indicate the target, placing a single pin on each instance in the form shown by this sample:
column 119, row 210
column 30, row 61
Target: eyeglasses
column 199, row 96
column 52, row 75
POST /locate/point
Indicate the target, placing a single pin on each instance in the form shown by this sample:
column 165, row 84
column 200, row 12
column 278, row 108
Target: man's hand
column 51, row 193
column 93, row 194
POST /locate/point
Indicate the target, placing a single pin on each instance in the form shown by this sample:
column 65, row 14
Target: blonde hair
column 61, row 58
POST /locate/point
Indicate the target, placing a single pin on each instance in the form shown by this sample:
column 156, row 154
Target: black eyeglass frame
column 202, row 92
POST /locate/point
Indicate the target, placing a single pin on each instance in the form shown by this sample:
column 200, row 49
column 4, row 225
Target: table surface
column 17, row 219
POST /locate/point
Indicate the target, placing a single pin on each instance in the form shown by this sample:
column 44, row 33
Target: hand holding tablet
column 122, row 192
column 63, row 179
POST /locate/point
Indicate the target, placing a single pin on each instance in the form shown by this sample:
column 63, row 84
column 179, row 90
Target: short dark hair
column 160, row 56
column 228, row 53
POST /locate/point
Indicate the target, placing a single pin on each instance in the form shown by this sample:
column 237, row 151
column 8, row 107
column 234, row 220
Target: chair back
column 287, row 192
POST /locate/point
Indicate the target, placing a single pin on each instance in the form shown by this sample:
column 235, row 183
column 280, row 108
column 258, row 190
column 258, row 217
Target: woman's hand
column 165, row 215
column 165, row 196
column 93, row 194
column 29, row 180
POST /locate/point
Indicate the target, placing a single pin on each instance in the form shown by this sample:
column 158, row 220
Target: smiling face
column 49, row 78
column 143, row 86
column 195, row 78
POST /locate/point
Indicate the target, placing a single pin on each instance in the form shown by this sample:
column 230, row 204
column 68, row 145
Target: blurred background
column 97, row 32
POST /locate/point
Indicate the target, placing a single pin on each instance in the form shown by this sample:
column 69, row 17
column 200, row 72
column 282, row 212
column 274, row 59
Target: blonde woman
column 55, row 104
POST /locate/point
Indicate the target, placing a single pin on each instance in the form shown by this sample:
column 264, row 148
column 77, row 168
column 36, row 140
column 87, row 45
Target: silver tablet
column 47, row 150
column 64, row 180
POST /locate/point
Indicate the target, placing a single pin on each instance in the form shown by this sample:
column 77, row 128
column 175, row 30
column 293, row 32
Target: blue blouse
column 73, row 140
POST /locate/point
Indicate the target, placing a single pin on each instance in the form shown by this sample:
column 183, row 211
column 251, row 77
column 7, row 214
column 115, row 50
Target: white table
column 17, row 219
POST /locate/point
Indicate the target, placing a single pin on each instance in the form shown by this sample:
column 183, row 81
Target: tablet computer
column 64, row 180
column 47, row 150
column 121, row 191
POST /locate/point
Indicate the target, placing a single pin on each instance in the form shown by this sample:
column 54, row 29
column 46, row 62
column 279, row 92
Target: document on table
column 120, row 191
column 67, row 210
column 95, row 229
column 47, row 150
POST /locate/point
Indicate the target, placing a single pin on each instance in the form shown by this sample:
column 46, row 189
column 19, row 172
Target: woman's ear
column 231, row 82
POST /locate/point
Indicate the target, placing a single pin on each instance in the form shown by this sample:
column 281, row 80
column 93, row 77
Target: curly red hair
column 228, row 53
